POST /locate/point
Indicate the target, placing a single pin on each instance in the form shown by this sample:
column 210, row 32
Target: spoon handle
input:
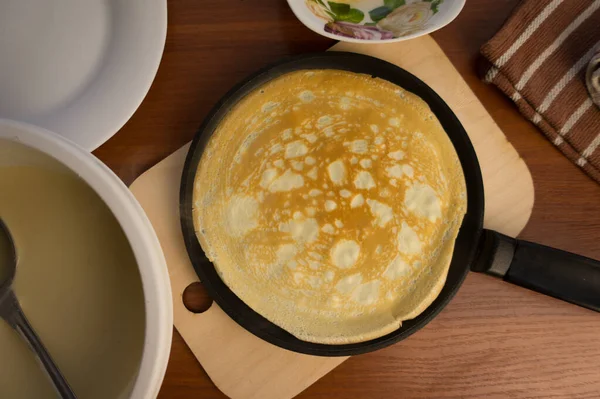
column 14, row 315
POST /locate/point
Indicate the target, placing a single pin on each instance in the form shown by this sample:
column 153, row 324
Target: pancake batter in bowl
column 329, row 202
column 77, row 281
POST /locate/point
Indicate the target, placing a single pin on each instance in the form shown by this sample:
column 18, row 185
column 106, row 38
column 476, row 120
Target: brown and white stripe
column 539, row 60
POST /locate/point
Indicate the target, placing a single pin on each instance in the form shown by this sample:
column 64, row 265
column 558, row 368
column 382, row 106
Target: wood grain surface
column 494, row 339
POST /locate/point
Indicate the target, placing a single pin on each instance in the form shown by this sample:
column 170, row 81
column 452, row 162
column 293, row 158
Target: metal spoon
column 12, row 313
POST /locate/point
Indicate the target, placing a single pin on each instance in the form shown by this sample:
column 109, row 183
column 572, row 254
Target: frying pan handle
column 553, row 272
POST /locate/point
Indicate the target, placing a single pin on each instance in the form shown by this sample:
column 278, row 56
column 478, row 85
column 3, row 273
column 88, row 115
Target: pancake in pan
column 329, row 202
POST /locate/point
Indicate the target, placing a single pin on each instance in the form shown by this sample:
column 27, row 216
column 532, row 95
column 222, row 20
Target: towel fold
column 539, row 59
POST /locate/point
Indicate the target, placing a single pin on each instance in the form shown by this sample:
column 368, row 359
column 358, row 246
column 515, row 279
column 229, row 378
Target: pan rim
column 466, row 242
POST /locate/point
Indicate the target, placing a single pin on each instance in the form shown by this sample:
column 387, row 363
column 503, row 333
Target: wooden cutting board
column 243, row 366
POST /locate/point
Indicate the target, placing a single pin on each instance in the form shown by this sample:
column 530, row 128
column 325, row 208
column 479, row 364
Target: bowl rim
column 142, row 239
column 298, row 6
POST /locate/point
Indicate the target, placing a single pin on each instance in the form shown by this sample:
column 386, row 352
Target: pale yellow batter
column 330, row 202
column 77, row 282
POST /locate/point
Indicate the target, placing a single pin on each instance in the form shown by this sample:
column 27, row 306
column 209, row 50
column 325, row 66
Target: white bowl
column 380, row 21
column 142, row 239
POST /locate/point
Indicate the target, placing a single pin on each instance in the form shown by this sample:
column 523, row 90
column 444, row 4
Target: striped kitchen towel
column 539, row 59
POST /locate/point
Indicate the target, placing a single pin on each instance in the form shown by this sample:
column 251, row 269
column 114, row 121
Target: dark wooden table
column 494, row 339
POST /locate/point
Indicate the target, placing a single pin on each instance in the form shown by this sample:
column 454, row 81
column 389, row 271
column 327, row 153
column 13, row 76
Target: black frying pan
column 550, row 271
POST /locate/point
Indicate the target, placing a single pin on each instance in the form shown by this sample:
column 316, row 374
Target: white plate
column 79, row 68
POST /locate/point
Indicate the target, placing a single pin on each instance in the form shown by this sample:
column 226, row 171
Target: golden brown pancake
column 329, row 202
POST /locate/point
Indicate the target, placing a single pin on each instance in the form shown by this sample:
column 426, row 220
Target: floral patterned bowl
column 375, row 20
